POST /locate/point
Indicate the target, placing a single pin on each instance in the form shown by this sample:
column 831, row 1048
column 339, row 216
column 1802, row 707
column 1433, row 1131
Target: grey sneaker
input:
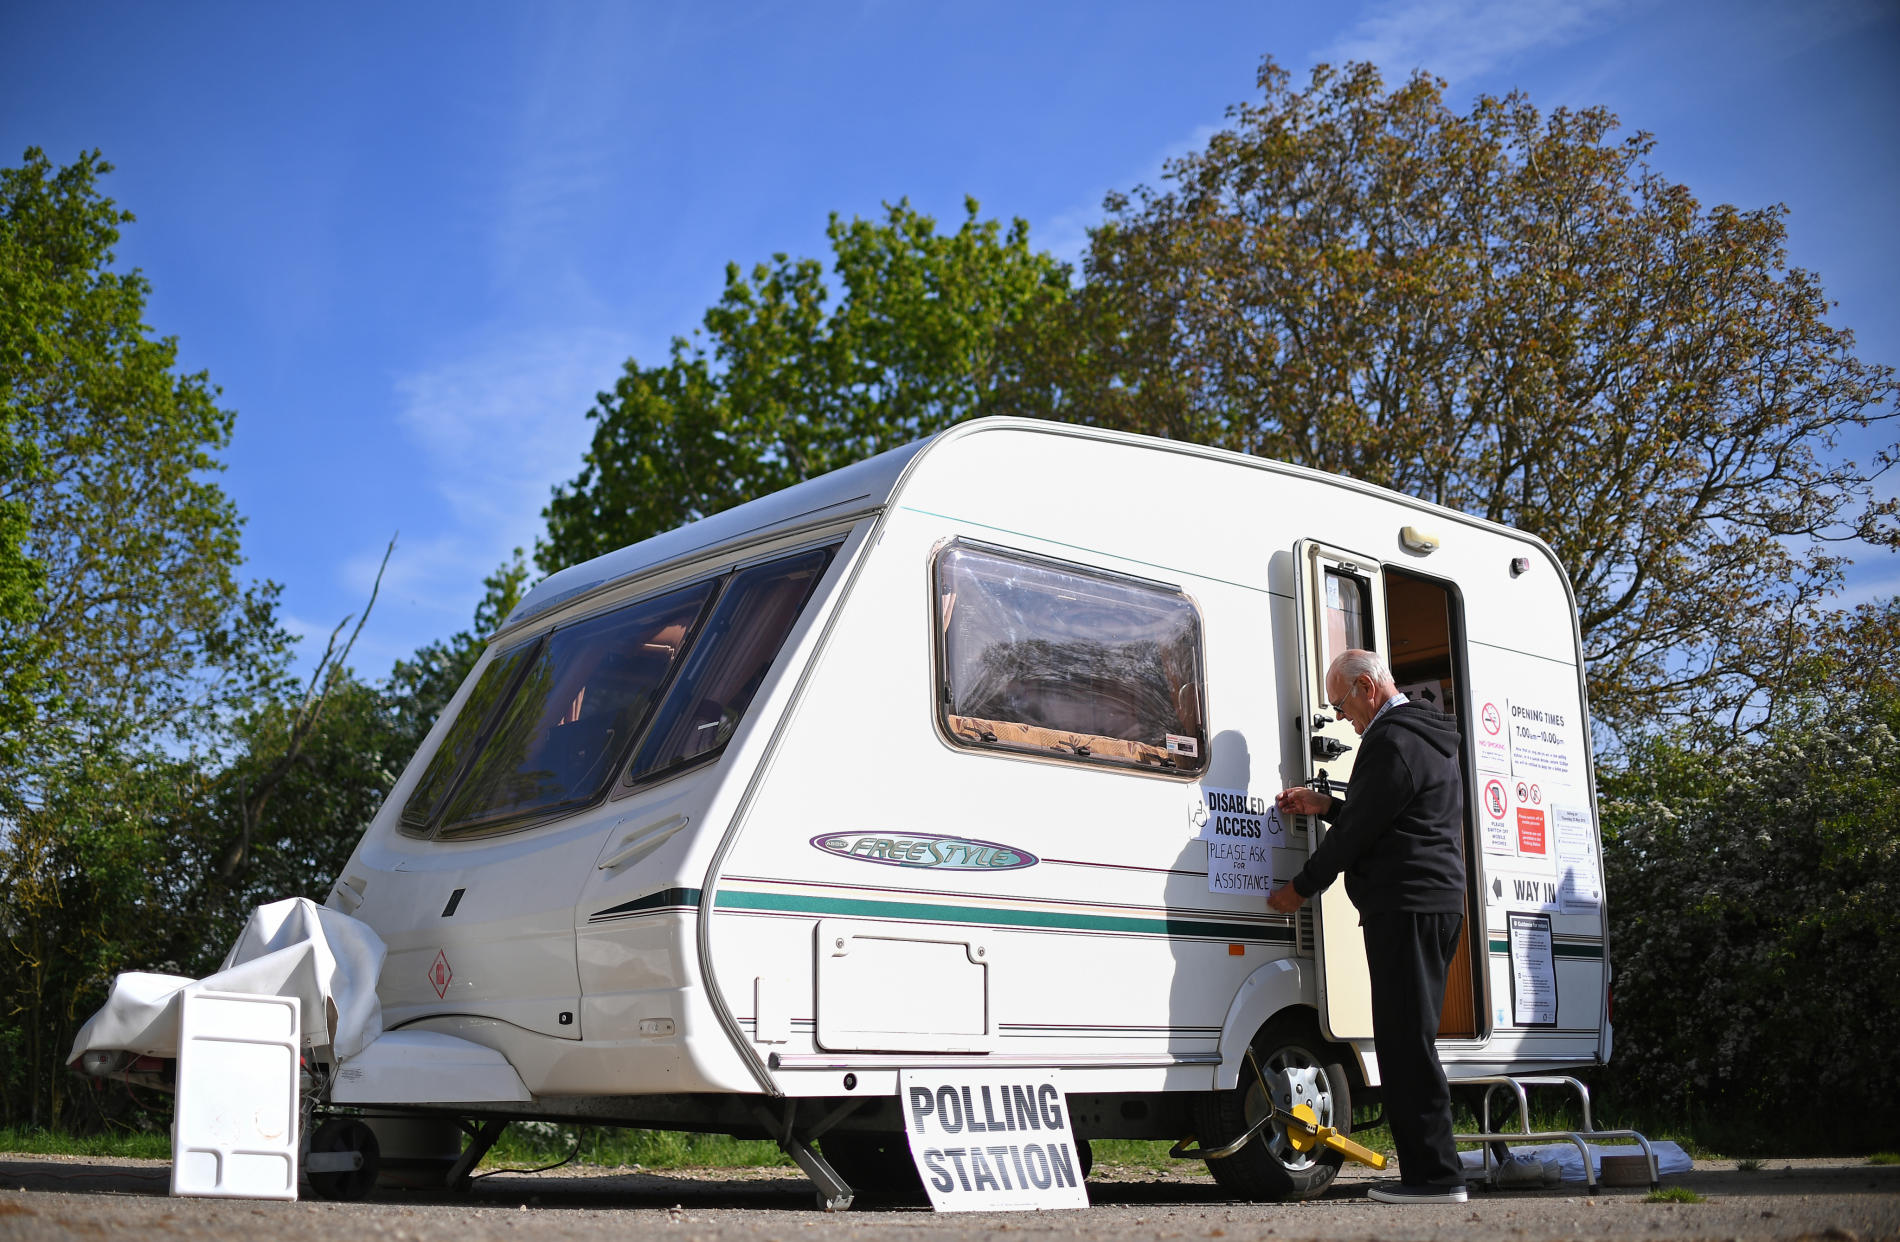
column 1399, row 1192
column 1526, row 1173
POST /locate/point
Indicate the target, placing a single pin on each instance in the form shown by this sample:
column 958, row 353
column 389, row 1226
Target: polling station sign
column 993, row 1141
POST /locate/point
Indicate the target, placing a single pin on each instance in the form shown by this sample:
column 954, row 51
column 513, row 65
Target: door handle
column 1326, row 749
column 642, row 841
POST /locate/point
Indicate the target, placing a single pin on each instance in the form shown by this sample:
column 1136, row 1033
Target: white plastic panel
column 901, row 989
column 234, row 1130
column 427, row 1067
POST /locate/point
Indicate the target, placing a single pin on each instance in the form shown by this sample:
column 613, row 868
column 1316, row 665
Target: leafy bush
column 1755, row 926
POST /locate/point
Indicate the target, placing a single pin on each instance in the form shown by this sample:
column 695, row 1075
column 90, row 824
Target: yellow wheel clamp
column 1302, row 1130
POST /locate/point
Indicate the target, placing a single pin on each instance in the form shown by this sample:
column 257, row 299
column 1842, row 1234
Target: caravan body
column 922, row 764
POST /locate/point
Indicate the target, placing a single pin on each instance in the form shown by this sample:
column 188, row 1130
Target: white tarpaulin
column 1670, row 1158
column 326, row 959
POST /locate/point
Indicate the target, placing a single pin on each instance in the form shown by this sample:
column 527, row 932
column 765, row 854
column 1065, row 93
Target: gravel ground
column 54, row 1197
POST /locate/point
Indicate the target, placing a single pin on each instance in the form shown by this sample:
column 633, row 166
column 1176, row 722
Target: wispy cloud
column 569, row 137
column 494, row 429
column 1461, row 39
column 1066, row 233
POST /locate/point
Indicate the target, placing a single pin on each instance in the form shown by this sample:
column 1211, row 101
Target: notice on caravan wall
column 1495, row 803
column 1246, row 841
column 1543, row 738
column 1533, row 971
column 1579, row 881
column 1494, row 748
column 992, row 1142
column 1517, row 891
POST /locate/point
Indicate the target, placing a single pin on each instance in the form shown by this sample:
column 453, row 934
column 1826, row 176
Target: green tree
column 1511, row 314
column 136, row 613
column 781, row 385
column 138, row 860
column 127, row 642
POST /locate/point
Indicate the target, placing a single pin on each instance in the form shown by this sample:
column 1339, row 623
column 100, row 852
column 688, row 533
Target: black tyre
column 876, row 1162
column 1296, row 1067
column 343, row 1134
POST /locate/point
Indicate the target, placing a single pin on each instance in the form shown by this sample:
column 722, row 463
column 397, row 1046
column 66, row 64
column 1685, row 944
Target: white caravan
column 960, row 758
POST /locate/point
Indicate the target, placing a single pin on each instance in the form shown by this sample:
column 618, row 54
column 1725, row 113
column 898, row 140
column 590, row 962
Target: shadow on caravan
column 912, row 767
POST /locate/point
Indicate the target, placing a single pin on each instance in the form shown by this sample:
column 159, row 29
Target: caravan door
column 1340, row 598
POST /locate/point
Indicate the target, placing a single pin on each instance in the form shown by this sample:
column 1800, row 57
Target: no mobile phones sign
column 992, row 1142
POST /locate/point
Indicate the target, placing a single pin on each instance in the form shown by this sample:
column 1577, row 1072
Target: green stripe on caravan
column 858, row 907
column 1562, row 948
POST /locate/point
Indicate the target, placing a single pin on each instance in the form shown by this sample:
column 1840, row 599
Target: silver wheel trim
column 1294, row 1078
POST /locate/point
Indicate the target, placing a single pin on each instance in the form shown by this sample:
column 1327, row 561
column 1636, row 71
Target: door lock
column 1326, row 749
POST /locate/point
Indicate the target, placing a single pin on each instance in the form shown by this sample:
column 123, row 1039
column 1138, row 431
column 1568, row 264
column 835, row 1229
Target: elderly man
column 1397, row 838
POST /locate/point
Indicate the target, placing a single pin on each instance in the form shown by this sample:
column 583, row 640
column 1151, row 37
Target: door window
column 1348, row 615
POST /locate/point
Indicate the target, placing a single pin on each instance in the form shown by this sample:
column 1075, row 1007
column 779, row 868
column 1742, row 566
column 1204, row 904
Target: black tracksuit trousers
column 1408, row 956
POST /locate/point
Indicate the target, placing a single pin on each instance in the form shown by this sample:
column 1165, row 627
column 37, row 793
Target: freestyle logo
column 924, row 849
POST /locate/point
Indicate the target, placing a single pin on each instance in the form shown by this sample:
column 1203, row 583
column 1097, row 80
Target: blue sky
column 411, row 242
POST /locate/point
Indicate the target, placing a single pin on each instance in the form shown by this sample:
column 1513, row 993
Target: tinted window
column 1056, row 659
column 549, row 722
column 580, row 702
column 728, row 662
column 497, row 680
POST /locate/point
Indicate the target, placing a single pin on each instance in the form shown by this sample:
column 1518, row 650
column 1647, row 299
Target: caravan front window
column 1054, row 659
column 550, row 722
column 582, row 701
column 729, row 660
column 496, row 684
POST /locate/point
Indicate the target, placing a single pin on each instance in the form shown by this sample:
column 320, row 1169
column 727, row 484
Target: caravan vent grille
column 1300, row 836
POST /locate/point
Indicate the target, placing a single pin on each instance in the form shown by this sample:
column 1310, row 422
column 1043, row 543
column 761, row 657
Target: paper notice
column 1533, row 971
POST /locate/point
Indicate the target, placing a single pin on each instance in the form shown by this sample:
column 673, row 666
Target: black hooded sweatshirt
column 1398, row 837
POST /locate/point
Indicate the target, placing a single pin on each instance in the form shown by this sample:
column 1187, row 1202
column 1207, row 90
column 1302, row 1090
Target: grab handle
column 642, row 841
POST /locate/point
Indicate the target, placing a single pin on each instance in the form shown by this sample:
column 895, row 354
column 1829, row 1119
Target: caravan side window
column 1048, row 658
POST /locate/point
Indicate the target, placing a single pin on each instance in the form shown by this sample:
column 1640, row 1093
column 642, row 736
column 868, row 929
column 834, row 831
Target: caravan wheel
column 345, row 1134
column 1295, row 1067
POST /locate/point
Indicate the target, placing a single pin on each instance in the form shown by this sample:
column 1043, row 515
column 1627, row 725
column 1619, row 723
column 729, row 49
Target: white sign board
column 992, row 1142
column 1246, row 841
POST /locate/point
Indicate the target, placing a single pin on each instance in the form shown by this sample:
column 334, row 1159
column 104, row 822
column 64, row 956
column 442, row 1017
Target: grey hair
column 1351, row 665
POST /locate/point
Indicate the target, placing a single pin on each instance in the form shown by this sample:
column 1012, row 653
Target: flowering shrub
column 1755, row 928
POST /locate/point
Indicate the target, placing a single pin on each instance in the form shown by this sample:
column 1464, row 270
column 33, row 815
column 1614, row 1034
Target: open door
column 1425, row 623
column 1340, row 596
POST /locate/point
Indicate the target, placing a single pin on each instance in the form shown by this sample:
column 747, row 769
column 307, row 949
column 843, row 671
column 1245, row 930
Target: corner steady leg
column 833, row 1194
column 480, row 1139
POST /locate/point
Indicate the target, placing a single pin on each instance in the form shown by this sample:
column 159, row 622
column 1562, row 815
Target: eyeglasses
column 1339, row 705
